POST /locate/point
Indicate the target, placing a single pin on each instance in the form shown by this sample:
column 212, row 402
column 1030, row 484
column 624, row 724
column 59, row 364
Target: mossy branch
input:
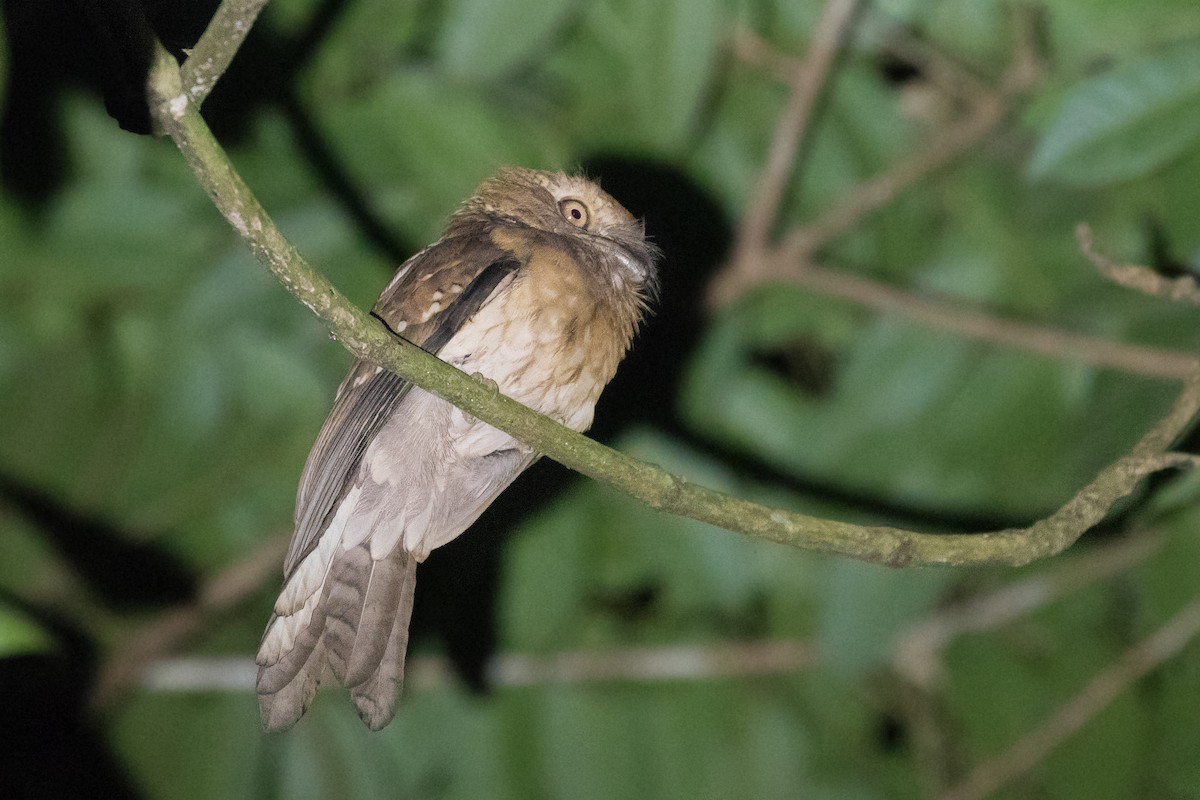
column 176, row 114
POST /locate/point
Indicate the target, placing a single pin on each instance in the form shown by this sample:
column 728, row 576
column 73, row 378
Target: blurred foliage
column 1126, row 122
column 153, row 376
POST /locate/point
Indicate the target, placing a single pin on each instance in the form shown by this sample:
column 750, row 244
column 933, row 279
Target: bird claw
column 486, row 381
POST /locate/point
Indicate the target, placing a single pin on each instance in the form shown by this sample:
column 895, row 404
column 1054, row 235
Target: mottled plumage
column 538, row 283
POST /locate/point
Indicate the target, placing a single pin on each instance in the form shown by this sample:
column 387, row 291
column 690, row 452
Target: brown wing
column 433, row 294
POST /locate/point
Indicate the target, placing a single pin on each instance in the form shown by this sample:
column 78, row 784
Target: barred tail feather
column 355, row 627
column 281, row 709
column 389, row 591
column 377, row 697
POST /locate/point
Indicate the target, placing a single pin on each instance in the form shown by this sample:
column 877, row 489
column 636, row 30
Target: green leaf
column 866, row 605
column 483, row 38
column 20, row 635
column 422, row 143
column 363, row 47
column 1125, row 123
column 1004, row 684
column 636, row 73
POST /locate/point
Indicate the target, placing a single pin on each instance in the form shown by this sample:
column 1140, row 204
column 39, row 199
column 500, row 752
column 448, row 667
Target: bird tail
column 353, row 627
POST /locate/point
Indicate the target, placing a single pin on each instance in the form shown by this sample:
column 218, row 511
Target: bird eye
column 574, row 212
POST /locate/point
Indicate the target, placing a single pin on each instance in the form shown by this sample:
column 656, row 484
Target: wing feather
column 345, row 608
column 370, row 396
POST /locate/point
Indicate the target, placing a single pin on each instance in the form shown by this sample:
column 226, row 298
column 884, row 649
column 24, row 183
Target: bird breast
column 550, row 343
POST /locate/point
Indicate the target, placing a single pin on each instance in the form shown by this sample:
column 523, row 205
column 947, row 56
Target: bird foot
column 486, row 381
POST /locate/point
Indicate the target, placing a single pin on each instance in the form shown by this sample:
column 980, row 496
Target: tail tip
column 276, row 717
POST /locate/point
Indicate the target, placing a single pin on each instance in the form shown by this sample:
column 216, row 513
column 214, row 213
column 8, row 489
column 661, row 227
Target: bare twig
column 972, row 323
column 1072, row 715
column 792, row 260
column 754, row 263
column 859, row 202
column 807, row 82
column 212, row 55
column 678, row 662
column 641, row 664
column 1143, row 279
column 864, row 199
column 948, row 74
column 917, row 652
column 173, row 629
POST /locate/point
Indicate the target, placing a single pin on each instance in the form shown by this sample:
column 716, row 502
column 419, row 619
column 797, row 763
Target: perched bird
column 538, row 283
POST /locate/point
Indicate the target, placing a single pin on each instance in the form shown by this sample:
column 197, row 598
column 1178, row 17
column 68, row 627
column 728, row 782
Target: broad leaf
column 1125, row 123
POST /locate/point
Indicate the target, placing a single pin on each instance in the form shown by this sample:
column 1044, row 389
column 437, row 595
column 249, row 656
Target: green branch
column 213, row 54
column 178, row 117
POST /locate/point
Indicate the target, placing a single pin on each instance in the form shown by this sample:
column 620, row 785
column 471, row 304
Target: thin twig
column 1142, row 279
column 917, row 652
column 1071, row 716
column 673, row 662
column 864, row 199
column 170, row 631
column 873, row 194
column 977, row 324
column 807, row 83
column 214, row 52
column 641, row 664
column 754, row 263
column 792, row 260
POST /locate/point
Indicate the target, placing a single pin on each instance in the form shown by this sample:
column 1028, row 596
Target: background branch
column 686, row 662
column 1093, row 698
column 917, row 652
column 169, row 632
column 754, row 261
column 988, row 110
column 1142, row 279
column 793, row 259
column 807, row 83
column 973, row 323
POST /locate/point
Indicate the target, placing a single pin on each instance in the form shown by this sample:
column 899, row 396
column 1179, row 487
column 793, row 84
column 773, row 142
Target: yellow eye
column 574, row 212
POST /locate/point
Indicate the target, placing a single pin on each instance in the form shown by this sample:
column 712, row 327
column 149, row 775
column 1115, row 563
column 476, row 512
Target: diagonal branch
column 917, row 652
column 1106, row 686
column 178, row 117
column 879, row 191
column 875, row 193
column 213, row 54
column 165, row 634
column 807, row 82
column 671, row 662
